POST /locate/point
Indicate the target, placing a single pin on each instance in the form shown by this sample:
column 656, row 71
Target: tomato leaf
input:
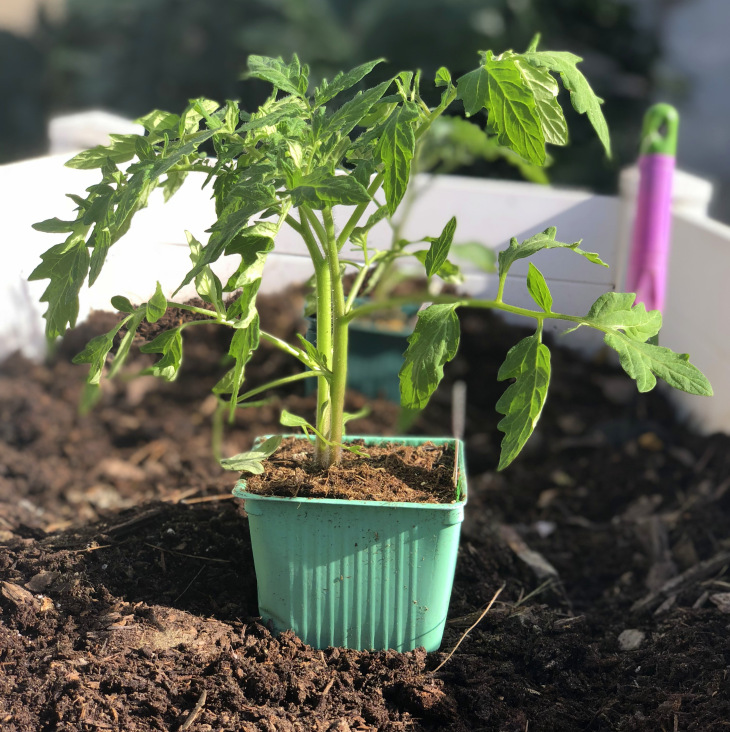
column 643, row 362
column 473, row 90
column 290, row 78
column 95, row 353
column 66, row 265
column 538, row 288
column 529, row 364
column 157, row 305
column 434, row 342
column 544, row 240
column 583, row 98
column 328, row 90
column 438, row 252
column 616, row 310
column 169, row 344
column 252, row 461
column 320, row 190
column 396, row 150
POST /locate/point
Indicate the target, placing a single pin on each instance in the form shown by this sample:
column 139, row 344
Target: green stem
column 500, row 287
column 306, row 233
column 339, row 347
column 195, row 168
column 417, row 299
column 216, row 431
column 201, row 311
column 356, row 285
column 291, row 350
column 275, row 384
column 295, row 225
column 323, row 286
column 354, row 219
column 437, row 112
column 314, row 222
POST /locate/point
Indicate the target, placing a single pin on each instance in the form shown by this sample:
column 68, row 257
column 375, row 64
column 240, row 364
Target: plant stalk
column 338, row 365
column 323, row 285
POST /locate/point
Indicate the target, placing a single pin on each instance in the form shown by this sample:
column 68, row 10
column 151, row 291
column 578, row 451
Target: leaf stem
column 196, row 168
column 426, row 297
column 354, row 219
column 200, row 311
column 298, row 353
column 500, row 287
column 356, row 285
column 437, row 112
column 314, row 222
column 276, row 383
column 309, row 239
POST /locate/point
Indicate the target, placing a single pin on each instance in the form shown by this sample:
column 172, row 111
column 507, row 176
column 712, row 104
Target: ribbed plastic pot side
column 357, row 574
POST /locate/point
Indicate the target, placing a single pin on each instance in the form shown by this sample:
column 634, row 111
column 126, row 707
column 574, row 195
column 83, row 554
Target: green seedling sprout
column 302, row 156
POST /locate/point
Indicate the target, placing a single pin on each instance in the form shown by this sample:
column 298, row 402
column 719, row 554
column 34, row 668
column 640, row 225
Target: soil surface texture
column 388, row 472
column 128, row 596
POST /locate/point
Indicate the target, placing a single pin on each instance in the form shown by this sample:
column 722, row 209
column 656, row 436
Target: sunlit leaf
column 252, row 461
column 434, row 342
column 529, row 364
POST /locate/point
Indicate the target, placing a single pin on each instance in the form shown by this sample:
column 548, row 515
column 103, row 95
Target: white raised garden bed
column 487, row 211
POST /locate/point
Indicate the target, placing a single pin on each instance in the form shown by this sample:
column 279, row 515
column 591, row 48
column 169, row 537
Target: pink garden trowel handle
column 647, row 271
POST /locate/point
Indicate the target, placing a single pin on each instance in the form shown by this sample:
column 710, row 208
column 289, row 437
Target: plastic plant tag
column 647, row 271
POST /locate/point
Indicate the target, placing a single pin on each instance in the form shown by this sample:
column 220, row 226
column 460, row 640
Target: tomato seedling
column 302, row 156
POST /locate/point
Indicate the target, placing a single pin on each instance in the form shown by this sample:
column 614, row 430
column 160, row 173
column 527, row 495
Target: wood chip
column 722, row 601
column 537, row 563
column 681, row 582
column 42, row 581
column 16, row 594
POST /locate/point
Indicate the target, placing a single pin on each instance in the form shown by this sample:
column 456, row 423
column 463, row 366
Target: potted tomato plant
column 354, row 540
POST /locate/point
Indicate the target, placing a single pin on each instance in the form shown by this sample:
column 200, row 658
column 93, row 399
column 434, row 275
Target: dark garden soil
column 128, row 597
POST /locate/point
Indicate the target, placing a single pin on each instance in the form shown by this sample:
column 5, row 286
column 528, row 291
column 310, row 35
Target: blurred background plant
column 129, row 56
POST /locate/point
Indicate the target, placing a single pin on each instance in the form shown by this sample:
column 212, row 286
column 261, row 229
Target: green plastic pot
column 374, row 356
column 357, row 574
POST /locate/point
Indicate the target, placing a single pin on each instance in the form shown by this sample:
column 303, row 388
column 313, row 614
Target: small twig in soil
column 522, row 599
column 142, row 518
column 88, row 549
column 471, row 627
column 325, row 691
column 565, row 622
column 705, row 459
column 533, row 559
column 190, row 584
column 189, row 556
column 196, row 711
column 180, row 495
column 206, row 499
